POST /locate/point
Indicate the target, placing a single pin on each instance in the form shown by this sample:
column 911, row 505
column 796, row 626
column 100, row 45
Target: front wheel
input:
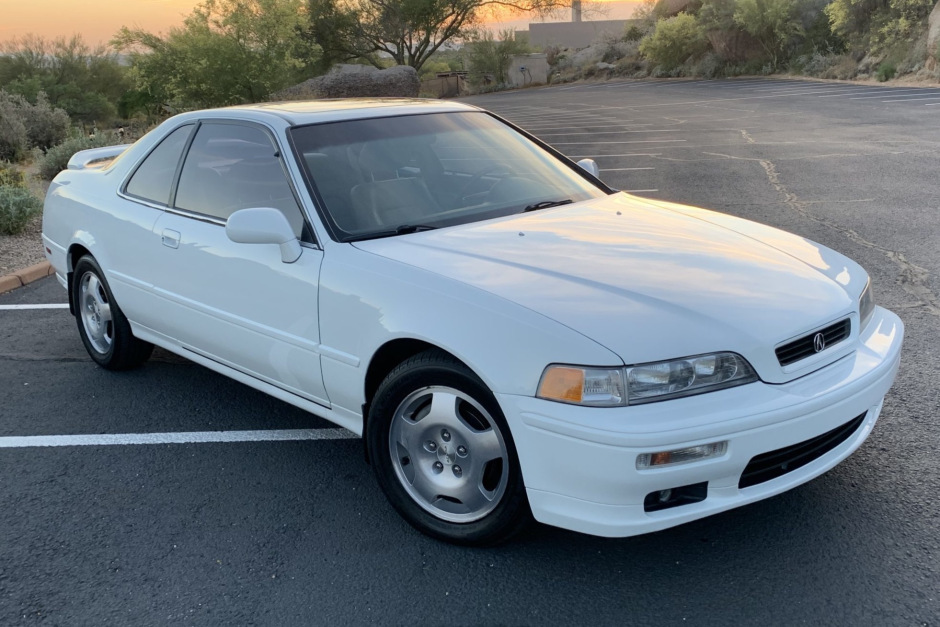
column 104, row 330
column 443, row 454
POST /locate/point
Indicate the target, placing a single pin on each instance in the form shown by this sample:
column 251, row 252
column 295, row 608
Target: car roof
column 303, row 112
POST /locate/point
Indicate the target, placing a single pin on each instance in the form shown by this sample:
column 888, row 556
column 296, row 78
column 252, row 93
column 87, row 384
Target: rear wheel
column 443, row 454
column 104, row 330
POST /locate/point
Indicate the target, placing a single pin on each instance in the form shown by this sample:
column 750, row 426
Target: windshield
column 389, row 176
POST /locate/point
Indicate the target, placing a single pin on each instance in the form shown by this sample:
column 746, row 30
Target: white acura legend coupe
column 511, row 337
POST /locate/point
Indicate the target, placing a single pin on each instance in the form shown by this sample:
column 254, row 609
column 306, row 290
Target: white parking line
column 880, row 90
column 190, row 437
column 917, row 93
column 629, row 154
column 15, row 307
column 934, row 97
column 624, row 169
column 635, row 141
column 652, row 130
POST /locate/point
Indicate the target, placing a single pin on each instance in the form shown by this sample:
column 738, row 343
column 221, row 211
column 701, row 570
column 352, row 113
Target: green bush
column 11, row 176
column 885, row 72
column 24, row 125
column 57, row 158
column 17, row 207
column 673, row 42
column 46, row 125
column 14, row 141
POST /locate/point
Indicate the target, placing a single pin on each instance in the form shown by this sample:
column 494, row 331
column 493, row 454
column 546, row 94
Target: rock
column 356, row 81
column 605, row 66
column 735, row 45
column 671, row 8
column 933, row 38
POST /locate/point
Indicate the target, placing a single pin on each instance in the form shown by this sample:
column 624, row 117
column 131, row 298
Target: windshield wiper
column 404, row 229
column 545, row 204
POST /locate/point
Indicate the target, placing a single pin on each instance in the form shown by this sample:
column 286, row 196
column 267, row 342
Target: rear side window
column 231, row 167
column 154, row 177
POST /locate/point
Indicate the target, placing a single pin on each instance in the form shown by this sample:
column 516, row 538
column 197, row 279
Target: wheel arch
column 383, row 361
column 75, row 252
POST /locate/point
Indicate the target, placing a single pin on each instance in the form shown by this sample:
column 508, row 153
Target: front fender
column 367, row 300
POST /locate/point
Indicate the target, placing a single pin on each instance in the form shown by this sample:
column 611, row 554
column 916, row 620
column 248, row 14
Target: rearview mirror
column 263, row 225
column 590, row 167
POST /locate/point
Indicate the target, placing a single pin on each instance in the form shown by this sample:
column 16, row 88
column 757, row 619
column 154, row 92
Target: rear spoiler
column 95, row 157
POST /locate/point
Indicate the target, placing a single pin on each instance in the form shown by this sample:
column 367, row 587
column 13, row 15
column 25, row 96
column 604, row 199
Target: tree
column 408, row 31
column 489, row 56
column 84, row 81
column 772, row 22
column 227, row 52
column 673, row 41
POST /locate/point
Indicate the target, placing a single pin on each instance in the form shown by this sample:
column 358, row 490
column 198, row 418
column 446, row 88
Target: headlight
column 866, row 305
column 645, row 383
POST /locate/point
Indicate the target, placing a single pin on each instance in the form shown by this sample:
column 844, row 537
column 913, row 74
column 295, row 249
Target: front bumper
column 579, row 463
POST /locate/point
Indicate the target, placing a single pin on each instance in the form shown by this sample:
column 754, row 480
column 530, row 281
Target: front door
column 239, row 304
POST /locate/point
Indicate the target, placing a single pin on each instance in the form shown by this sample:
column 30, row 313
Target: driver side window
column 231, row 167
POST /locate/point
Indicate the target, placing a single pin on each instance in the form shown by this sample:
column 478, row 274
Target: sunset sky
column 98, row 20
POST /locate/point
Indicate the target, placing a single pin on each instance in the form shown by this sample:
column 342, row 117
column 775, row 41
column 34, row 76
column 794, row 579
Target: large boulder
column 933, row 38
column 734, row 45
column 357, row 81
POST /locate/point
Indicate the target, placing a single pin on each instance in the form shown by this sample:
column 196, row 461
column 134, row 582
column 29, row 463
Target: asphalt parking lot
column 235, row 508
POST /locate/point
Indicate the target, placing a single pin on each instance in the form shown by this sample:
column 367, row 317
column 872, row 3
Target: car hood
column 650, row 281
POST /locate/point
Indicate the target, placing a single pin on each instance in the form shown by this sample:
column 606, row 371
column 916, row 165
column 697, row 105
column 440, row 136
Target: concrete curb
column 25, row 276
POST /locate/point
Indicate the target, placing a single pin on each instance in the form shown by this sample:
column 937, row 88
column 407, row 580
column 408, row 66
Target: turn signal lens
column 583, row 386
column 681, row 456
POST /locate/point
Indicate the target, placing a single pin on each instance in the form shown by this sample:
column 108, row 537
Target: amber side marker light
column 563, row 384
column 681, row 456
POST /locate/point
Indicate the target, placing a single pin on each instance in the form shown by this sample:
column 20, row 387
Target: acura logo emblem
column 819, row 342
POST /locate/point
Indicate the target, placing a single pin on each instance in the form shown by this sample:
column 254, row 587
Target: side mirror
column 590, row 166
column 264, row 225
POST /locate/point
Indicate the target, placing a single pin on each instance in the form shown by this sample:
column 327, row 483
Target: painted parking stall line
column 190, row 437
column 26, row 307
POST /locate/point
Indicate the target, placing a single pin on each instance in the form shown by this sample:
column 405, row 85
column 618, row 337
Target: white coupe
column 511, row 337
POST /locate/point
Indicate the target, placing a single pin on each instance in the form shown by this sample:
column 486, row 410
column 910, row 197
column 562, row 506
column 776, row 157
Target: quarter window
column 231, row 167
column 154, row 177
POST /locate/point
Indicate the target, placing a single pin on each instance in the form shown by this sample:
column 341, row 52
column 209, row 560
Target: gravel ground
column 23, row 250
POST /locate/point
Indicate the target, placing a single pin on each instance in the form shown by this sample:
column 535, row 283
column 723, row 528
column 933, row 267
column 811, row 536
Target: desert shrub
column 17, row 207
column 710, row 66
column 10, row 175
column 842, row 67
column 24, row 125
column 57, row 158
column 673, row 41
column 14, row 141
column 885, row 71
column 46, row 125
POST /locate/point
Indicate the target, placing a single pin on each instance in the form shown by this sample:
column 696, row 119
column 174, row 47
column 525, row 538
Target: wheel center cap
column 446, row 453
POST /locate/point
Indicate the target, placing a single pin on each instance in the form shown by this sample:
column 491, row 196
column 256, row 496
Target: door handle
column 171, row 238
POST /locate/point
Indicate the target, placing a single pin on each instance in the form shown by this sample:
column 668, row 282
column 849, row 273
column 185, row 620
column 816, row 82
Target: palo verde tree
column 227, row 52
column 409, row 31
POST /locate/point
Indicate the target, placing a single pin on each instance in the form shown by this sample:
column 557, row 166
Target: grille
column 804, row 346
column 777, row 463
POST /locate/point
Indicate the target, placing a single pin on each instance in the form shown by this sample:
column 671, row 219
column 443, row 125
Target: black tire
column 109, row 342
column 401, row 418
